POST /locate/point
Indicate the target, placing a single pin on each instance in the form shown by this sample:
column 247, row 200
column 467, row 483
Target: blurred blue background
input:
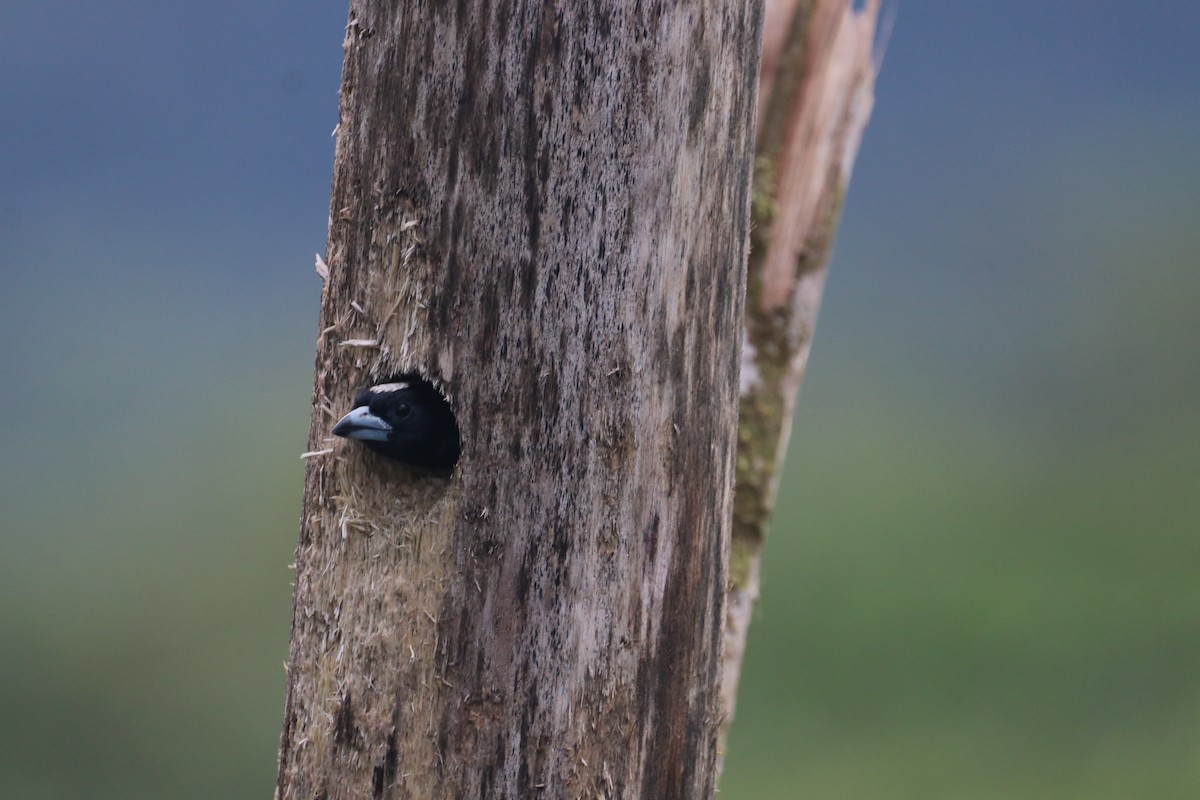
column 982, row 580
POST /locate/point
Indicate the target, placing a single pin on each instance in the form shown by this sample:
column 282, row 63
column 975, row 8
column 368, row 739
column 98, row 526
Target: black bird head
column 405, row 419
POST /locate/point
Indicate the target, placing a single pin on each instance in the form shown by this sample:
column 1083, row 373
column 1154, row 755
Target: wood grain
column 544, row 208
column 816, row 91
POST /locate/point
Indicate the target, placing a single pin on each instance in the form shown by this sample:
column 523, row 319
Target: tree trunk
column 815, row 96
column 541, row 206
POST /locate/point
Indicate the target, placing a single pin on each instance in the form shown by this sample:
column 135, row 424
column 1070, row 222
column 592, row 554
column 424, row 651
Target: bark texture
column 542, row 206
column 815, row 95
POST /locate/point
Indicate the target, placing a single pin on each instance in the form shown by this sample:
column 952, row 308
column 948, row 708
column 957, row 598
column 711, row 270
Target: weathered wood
column 815, row 96
column 543, row 207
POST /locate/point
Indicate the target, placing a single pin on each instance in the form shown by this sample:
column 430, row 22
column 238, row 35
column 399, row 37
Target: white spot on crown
column 387, row 387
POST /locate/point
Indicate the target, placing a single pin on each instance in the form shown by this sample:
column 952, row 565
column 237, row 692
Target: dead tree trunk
column 542, row 206
column 816, row 90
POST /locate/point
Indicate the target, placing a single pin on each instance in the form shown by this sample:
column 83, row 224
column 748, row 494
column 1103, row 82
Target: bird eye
column 402, row 410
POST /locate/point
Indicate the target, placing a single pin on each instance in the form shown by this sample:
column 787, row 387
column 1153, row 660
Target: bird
column 405, row 419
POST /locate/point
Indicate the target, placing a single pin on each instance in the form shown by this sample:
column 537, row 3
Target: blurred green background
column 982, row 580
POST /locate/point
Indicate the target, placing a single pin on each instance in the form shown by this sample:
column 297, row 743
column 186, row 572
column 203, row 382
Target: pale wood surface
column 543, row 206
column 816, row 90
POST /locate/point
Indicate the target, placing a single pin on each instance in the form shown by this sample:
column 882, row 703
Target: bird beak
column 362, row 424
